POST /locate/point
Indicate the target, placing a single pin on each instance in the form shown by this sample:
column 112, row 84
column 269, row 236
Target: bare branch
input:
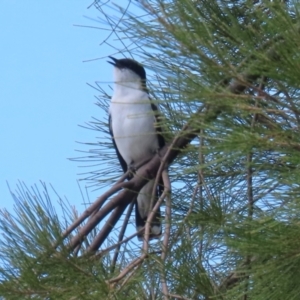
column 121, row 234
column 102, row 252
column 127, row 270
column 95, row 206
column 167, row 185
column 107, row 228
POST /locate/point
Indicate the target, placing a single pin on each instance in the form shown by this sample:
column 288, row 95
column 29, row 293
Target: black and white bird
column 136, row 137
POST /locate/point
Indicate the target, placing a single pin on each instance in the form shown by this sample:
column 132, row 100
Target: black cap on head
column 127, row 63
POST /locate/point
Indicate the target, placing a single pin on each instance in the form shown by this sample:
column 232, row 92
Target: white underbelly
column 134, row 132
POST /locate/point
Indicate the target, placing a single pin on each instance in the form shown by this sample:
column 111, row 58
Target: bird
column 135, row 134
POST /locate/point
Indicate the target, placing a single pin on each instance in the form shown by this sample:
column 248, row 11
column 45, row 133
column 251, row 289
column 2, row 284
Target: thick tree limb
column 95, row 206
column 109, row 225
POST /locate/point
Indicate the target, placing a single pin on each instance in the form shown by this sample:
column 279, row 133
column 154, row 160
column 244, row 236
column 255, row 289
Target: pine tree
column 225, row 74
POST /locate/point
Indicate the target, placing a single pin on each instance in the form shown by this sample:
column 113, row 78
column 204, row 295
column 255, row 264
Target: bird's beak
column 114, row 62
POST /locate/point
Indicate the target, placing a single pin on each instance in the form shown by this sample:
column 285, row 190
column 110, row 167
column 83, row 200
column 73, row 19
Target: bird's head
column 127, row 71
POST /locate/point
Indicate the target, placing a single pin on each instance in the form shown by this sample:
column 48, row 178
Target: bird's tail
column 143, row 209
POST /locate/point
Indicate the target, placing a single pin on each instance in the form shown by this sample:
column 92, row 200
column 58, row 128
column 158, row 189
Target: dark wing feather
column 161, row 140
column 161, row 143
column 121, row 159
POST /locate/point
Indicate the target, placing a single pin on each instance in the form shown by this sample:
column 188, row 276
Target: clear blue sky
column 43, row 92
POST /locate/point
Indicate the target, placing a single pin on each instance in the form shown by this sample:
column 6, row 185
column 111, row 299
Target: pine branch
column 206, row 114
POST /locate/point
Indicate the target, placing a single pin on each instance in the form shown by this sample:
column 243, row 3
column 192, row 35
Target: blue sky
column 43, row 92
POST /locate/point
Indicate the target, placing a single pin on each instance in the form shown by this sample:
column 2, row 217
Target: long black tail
column 142, row 210
column 155, row 228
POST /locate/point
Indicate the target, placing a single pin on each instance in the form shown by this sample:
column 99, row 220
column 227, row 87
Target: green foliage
column 235, row 189
column 30, row 266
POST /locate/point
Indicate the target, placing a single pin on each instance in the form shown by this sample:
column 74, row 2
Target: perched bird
column 136, row 138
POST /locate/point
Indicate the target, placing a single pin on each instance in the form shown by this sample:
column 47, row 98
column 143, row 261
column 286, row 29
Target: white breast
column 133, row 125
